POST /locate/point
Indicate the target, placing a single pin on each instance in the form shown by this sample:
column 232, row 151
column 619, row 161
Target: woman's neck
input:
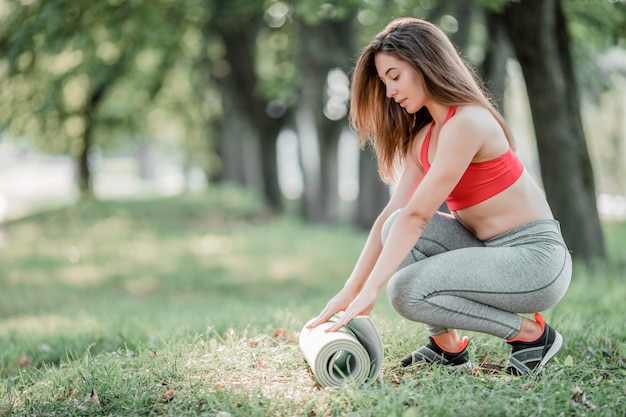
column 439, row 112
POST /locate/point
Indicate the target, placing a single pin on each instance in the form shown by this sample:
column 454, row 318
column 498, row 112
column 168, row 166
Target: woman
column 499, row 254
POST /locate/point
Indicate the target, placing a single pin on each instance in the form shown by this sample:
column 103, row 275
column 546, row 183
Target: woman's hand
column 338, row 303
column 362, row 304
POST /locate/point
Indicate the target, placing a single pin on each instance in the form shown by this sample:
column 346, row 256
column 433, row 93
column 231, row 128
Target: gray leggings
column 453, row 280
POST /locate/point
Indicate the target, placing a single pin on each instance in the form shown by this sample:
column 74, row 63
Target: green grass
column 192, row 306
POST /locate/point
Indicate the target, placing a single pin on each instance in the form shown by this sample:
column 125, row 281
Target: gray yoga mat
column 351, row 355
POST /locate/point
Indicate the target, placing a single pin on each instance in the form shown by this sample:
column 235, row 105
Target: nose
column 391, row 90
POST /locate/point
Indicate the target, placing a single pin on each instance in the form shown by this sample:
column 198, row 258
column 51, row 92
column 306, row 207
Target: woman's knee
column 404, row 294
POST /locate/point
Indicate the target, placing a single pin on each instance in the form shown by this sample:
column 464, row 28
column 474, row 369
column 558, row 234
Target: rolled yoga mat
column 353, row 354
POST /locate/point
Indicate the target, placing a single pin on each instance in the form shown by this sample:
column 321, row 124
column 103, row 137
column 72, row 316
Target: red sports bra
column 481, row 180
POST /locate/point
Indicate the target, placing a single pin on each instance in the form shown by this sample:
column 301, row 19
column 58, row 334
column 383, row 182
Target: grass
column 191, row 306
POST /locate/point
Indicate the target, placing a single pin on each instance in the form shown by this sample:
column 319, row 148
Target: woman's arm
column 457, row 146
column 410, row 179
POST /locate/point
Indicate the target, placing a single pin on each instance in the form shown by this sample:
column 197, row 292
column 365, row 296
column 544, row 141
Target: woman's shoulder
column 474, row 117
column 478, row 125
column 474, row 121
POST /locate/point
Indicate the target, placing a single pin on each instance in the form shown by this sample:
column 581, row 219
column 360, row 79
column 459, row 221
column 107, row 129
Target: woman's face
column 403, row 84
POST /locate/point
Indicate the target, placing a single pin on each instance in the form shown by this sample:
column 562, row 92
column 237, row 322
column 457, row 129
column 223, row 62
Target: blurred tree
column 327, row 44
column 541, row 41
column 497, row 52
column 253, row 112
column 373, row 193
column 65, row 59
column 599, row 35
column 78, row 74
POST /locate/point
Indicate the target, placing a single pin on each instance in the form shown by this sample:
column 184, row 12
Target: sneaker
column 529, row 358
column 432, row 353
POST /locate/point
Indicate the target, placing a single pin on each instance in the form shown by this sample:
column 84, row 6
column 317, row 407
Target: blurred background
column 138, row 98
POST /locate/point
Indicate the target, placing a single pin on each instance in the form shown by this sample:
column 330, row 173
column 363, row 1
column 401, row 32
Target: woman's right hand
column 338, row 303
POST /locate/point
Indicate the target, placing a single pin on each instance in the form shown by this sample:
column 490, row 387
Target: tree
column 373, row 193
column 65, row 60
column 497, row 52
column 254, row 114
column 326, row 48
column 538, row 32
column 78, row 74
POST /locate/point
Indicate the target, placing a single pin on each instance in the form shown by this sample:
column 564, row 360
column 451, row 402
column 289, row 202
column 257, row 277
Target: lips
column 401, row 102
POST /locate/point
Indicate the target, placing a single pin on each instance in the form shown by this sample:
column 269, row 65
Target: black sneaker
column 529, row 358
column 432, row 353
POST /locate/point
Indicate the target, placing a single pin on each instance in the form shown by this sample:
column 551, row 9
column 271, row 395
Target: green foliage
column 65, row 59
column 598, row 27
column 493, row 5
column 128, row 68
column 192, row 306
column 277, row 68
column 234, row 14
column 313, row 12
column 593, row 31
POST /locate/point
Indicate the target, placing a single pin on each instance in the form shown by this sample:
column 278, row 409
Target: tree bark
column 325, row 46
column 463, row 11
column 242, row 99
column 493, row 68
column 237, row 144
column 82, row 159
column 85, row 188
column 373, row 193
column 538, row 33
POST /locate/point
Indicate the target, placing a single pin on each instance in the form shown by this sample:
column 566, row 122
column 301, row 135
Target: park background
column 180, row 191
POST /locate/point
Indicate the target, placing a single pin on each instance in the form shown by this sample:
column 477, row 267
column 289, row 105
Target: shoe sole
column 556, row 346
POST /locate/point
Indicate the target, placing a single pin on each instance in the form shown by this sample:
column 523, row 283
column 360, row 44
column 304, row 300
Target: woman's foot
column 528, row 357
column 432, row 353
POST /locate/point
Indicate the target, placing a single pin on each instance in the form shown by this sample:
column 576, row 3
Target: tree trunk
column 329, row 133
column 82, row 161
column 242, row 97
column 373, row 193
column 237, row 144
column 248, row 131
column 463, row 11
column 540, row 40
column 309, row 156
column 325, row 46
column 493, row 69
column 89, row 112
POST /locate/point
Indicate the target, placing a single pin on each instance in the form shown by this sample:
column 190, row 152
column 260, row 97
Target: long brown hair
column 448, row 80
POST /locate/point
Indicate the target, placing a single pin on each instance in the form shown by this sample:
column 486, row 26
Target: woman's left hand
column 362, row 305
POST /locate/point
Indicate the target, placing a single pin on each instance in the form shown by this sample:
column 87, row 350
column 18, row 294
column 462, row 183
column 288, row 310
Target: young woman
column 499, row 254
